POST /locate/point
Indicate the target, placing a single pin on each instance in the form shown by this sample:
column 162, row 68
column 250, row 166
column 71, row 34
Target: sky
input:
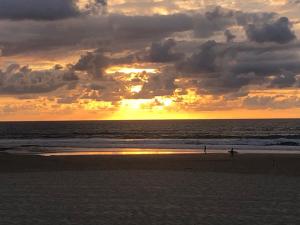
column 149, row 59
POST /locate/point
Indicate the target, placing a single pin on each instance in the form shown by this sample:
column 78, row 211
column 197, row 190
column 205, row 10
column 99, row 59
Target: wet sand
column 279, row 164
column 158, row 190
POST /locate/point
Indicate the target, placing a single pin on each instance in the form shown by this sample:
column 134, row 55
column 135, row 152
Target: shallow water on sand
column 135, row 151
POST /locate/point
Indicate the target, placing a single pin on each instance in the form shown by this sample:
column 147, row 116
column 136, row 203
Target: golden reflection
column 124, row 152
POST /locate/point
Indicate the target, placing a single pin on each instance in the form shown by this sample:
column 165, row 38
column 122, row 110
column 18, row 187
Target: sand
column 280, row 164
column 187, row 190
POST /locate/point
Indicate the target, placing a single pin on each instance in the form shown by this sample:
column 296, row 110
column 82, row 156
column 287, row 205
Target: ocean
column 273, row 135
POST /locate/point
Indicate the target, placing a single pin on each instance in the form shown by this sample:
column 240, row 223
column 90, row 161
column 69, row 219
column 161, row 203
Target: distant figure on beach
column 205, row 151
column 232, row 152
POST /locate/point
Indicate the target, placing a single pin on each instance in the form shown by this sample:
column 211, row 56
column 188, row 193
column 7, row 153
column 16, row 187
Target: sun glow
column 134, row 103
column 158, row 103
column 156, row 108
column 96, row 105
column 136, row 88
column 129, row 70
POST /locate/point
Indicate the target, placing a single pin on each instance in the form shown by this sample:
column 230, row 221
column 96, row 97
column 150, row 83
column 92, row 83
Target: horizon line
column 95, row 120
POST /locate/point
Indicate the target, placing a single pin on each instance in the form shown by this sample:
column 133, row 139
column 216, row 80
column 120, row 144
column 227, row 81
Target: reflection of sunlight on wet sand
column 123, row 152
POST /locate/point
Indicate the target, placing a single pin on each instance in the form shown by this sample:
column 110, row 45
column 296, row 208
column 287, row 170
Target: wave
column 146, row 135
column 240, row 143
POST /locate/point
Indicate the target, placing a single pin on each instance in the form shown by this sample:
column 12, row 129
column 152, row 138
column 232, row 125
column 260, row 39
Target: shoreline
column 123, row 151
column 273, row 164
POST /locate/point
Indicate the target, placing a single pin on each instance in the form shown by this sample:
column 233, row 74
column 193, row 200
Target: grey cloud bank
column 228, row 67
column 38, row 9
column 22, row 80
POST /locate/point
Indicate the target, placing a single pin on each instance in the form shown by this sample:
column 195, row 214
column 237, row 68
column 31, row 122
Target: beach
column 150, row 112
column 273, row 164
column 150, row 189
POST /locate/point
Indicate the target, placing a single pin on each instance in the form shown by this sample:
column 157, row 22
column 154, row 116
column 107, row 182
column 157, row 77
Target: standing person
column 205, row 151
column 232, row 152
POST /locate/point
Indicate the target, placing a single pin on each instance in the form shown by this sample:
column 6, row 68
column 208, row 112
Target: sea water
column 280, row 135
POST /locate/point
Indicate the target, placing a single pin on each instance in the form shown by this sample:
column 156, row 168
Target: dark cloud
column 149, row 27
column 219, row 19
column 163, row 52
column 114, row 31
column 162, row 84
column 278, row 31
column 227, row 67
column 117, row 31
column 38, row 9
column 102, row 2
column 203, row 62
column 48, row 9
column 24, row 36
column 229, row 36
column 94, row 63
column 212, row 21
column 22, row 80
column 284, row 80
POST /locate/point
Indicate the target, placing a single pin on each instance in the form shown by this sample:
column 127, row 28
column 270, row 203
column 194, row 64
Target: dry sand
column 142, row 190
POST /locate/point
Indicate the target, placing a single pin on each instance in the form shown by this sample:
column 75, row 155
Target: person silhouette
column 205, row 150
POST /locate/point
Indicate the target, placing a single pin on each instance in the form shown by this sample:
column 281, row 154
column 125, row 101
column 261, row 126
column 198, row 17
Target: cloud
column 219, row 19
column 203, row 61
column 271, row 102
column 216, row 68
column 38, row 9
column 284, row 80
column 95, row 7
column 221, row 68
column 292, row 3
column 94, row 63
column 86, row 76
column 229, row 36
column 48, row 9
column 147, row 27
column 162, row 84
column 114, row 31
column 212, row 67
column 22, row 80
column 278, row 31
column 163, row 52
